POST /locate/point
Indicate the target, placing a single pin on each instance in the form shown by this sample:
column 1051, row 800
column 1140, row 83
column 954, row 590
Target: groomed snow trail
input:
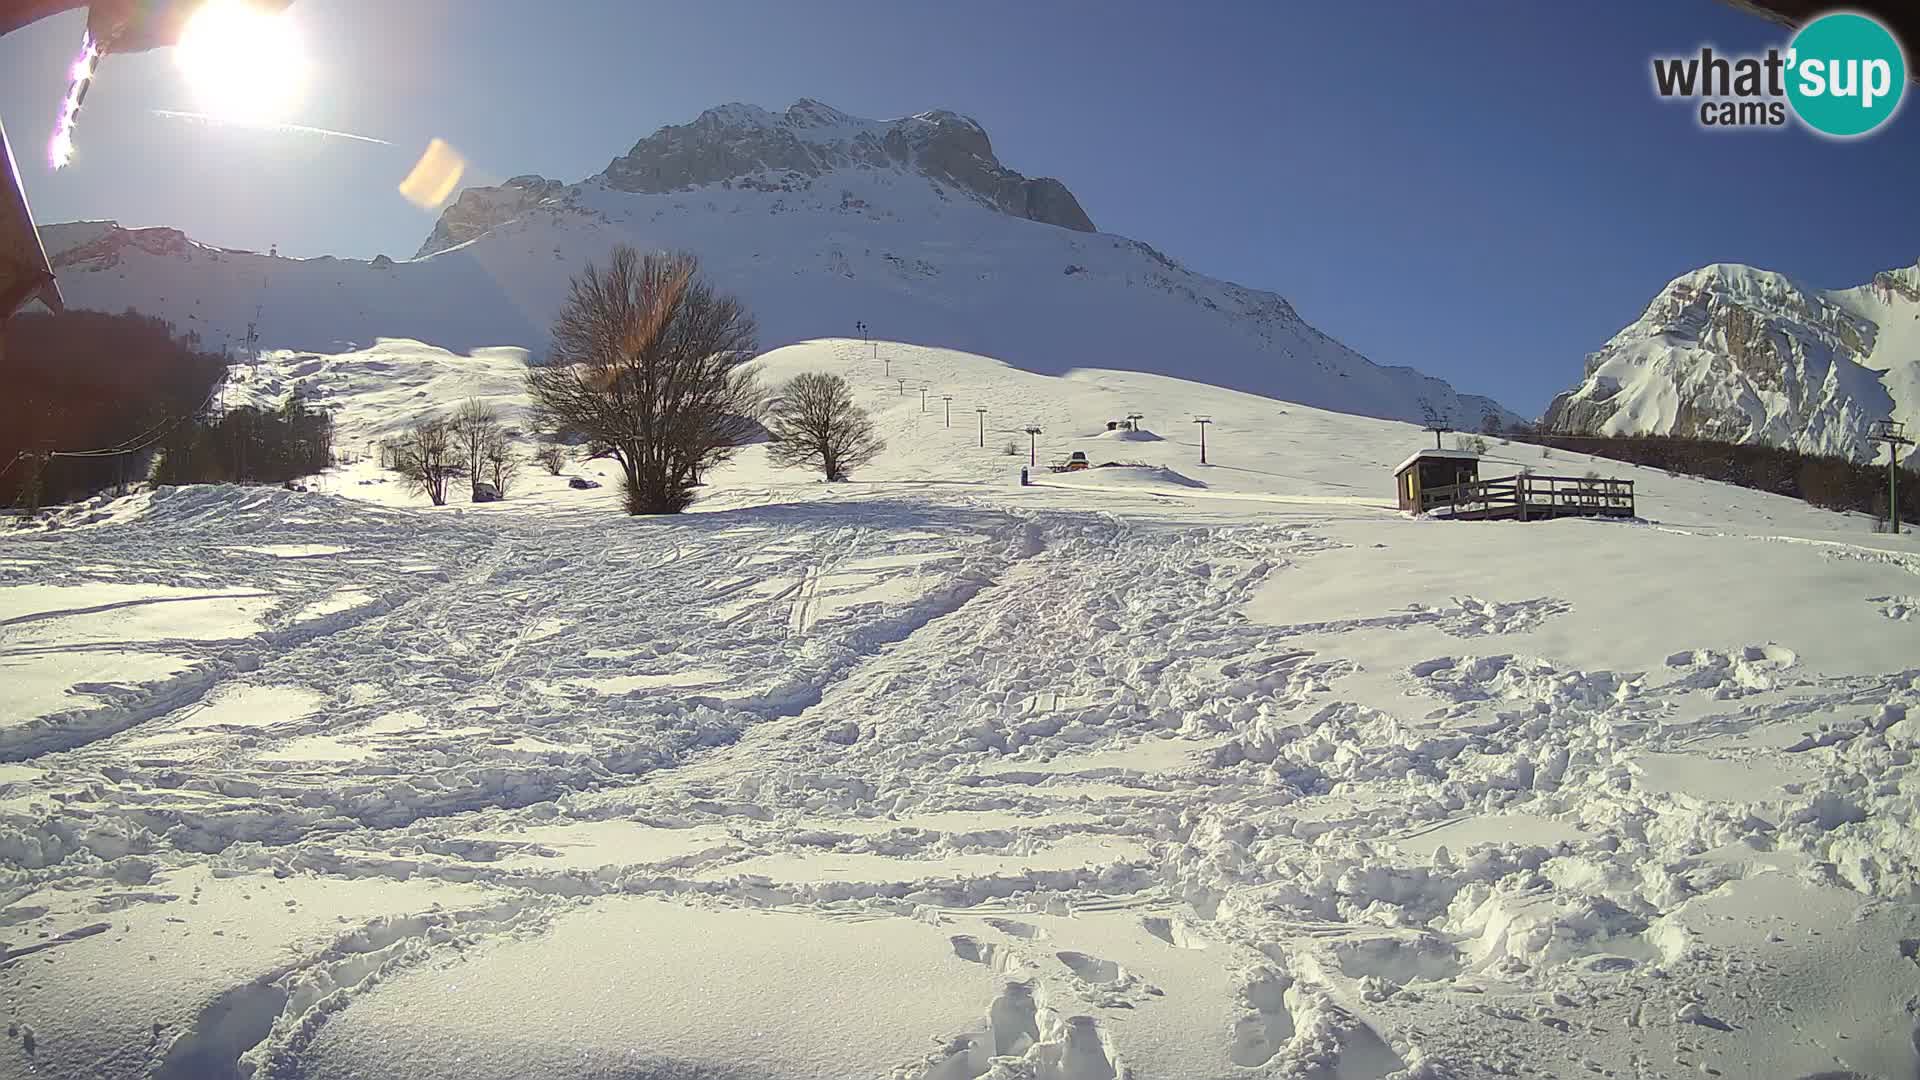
column 948, row 784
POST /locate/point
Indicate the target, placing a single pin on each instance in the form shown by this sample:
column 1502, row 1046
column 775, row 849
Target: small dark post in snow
column 1438, row 430
column 1033, row 445
column 948, row 398
column 903, row 387
column 982, row 410
column 923, row 399
column 1894, row 434
column 1133, row 421
column 1203, row 421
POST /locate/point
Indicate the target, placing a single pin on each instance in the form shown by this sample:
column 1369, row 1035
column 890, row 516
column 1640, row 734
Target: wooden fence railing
column 1532, row 496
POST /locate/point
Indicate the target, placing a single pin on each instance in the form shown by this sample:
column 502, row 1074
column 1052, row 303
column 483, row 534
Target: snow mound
column 1129, row 474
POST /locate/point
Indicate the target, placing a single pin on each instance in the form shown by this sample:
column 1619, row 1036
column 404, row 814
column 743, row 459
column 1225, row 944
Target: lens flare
column 60, row 147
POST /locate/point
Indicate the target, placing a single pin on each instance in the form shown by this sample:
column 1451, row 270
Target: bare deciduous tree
column 814, row 422
column 424, row 457
column 475, row 428
column 501, row 461
column 552, row 457
column 648, row 364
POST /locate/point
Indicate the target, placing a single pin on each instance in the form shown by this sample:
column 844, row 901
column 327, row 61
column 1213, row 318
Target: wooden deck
column 1530, row 498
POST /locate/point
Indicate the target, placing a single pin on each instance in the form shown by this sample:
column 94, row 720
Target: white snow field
column 1157, row 770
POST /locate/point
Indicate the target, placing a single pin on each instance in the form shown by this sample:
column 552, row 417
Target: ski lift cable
column 142, row 441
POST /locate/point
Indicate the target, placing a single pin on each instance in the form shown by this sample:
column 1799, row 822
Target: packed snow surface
column 1159, row 769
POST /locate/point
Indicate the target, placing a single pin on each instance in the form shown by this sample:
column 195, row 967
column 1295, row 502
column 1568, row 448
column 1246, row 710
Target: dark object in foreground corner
column 1900, row 16
column 25, row 275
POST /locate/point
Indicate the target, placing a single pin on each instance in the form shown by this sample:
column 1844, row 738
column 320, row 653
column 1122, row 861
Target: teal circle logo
column 1845, row 74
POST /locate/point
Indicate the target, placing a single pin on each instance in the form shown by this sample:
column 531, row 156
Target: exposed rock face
column 106, row 244
column 481, row 208
column 747, row 145
column 1744, row 355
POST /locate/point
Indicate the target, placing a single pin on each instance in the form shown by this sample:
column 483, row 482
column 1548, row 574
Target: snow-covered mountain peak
column 742, row 145
column 1735, row 352
column 481, row 208
column 745, row 144
column 808, row 113
column 1903, row 284
column 1741, row 284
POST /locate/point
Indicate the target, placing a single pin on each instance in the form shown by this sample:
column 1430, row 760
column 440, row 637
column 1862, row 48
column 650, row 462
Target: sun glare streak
column 297, row 129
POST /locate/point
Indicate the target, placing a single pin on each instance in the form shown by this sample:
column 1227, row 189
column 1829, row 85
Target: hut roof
column 24, row 274
column 1436, row 452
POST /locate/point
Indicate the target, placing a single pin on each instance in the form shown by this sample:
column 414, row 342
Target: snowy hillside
column 1159, row 770
column 1731, row 352
column 819, row 221
column 1263, row 451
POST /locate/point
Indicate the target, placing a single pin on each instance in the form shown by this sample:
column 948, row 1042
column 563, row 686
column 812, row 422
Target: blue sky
column 1484, row 190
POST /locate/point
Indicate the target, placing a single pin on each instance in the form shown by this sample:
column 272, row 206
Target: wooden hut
column 1433, row 469
column 1447, row 483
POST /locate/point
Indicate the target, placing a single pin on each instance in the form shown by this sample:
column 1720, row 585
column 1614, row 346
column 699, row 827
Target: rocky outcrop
column 747, row 145
column 1733, row 353
column 105, row 246
column 479, row 209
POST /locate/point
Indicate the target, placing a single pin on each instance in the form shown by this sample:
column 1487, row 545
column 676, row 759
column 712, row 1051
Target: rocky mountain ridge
column 1736, row 353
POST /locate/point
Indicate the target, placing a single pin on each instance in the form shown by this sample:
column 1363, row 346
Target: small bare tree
column 815, row 423
column 424, row 457
column 649, row 364
column 475, row 429
column 552, row 457
column 501, row 460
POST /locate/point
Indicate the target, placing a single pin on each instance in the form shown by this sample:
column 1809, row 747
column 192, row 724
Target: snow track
column 943, row 784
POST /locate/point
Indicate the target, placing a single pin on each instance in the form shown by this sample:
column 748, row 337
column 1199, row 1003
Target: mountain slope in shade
column 819, row 221
column 1731, row 352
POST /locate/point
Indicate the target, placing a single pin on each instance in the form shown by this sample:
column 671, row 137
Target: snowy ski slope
column 1158, row 771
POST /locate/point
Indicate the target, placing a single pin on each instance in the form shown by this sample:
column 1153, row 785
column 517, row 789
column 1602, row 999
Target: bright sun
column 243, row 64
